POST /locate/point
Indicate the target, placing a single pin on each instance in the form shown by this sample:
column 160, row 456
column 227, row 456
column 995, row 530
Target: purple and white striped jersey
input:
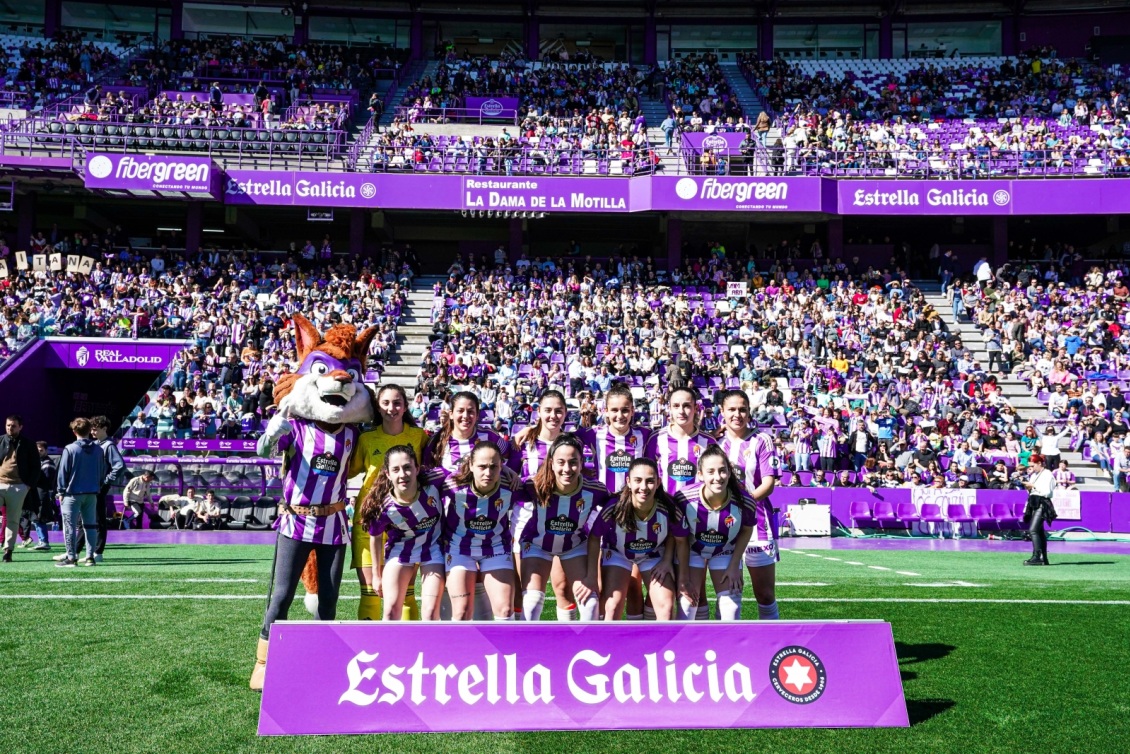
column 477, row 525
column 761, row 461
column 559, row 525
column 316, row 473
column 640, row 544
column 827, row 445
column 527, row 459
column 412, row 532
column 713, row 532
column 614, row 453
column 450, row 457
column 737, row 450
column 676, row 457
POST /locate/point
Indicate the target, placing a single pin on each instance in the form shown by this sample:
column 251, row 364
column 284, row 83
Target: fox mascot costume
column 316, row 429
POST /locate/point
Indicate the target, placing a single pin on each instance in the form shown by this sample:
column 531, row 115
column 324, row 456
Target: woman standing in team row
column 447, row 449
column 719, row 518
column 676, row 448
column 754, row 458
column 531, row 447
column 636, row 533
column 404, row 507
column 397, row 427
column 549, row 523
column 476, row 522
column 615, row 445
column 460, row 434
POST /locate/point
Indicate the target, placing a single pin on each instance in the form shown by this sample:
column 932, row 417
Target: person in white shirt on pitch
column 1041, row 485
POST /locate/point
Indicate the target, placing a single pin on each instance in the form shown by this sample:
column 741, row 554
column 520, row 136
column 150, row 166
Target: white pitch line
column 219, row 581
column 907, row 573
column 829, row 557
column 90, row 579
column 987, row 601
column 851, row 562
column 879, row 568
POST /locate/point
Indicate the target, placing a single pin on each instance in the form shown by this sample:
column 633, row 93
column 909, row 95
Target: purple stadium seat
column 958, row 515
column 884, row 514
column 860, row 514
column 907, row 513
column 982, row 514
column 931, row 513
column 1003, row 514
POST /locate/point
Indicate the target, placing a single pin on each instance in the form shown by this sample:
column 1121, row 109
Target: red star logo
column 797, row 674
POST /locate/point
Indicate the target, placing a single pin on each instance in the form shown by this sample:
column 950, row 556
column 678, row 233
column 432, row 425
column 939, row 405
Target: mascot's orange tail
column 310, row 574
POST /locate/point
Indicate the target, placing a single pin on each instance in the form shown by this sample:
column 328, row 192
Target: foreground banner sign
column 365, row 677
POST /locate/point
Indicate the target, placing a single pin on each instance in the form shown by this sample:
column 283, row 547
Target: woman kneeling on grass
column 476, row 523
column 643, row 528
column 404, row 506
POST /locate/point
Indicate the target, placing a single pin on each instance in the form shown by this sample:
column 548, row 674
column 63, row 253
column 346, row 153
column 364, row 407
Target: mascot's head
column 327, row 386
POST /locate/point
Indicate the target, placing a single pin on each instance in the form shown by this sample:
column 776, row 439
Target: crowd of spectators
column 1061, row 328
column 45, row 71
column 858, row 376
column 190, row 65
column 231, row 308
column 1035, row 87
column 699, row 96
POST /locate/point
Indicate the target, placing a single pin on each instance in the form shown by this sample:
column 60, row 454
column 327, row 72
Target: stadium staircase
column 751, row 102
column 403, row 365
column 413, row 72
column 1088, row 476
column 655, row 110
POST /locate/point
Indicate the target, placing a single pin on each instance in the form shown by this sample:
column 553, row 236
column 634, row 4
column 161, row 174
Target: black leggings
column 1039, row 536
column 290, row 559
column 828, row 463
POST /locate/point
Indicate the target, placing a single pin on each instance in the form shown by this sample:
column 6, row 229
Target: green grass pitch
column 995, row 657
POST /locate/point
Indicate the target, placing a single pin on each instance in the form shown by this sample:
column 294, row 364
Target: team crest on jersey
column 498, row 504
column 696, row 449
column 729, row 521
column 632, row 440
column 656, row 527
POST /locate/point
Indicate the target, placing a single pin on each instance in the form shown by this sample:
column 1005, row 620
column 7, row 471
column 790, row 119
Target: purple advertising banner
column 408, row 191
column 898, row 197
column 730, row 194
column 142, row 172
column 215, row 446
column 546, row 194
column 493, row 107
column 113, row 354
column 366, row 677
column 318, row 189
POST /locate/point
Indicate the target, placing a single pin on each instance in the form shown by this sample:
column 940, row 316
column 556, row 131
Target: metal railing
column 413, row 114
column 817, row 162
column 513, row 160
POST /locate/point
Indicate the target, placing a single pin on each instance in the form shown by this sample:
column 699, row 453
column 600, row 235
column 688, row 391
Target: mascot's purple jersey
column 317, row 473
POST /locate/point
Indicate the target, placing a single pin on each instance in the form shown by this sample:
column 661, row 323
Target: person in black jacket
column 48, row 506
column 19, row 472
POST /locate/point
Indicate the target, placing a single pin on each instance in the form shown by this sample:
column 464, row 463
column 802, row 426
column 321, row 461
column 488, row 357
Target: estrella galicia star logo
column 798, row 675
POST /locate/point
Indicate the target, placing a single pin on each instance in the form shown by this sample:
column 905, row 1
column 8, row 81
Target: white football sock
column 568, row 613
column 589, row 609
column 687, row 609
column 532, row 603
column 729, row 605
